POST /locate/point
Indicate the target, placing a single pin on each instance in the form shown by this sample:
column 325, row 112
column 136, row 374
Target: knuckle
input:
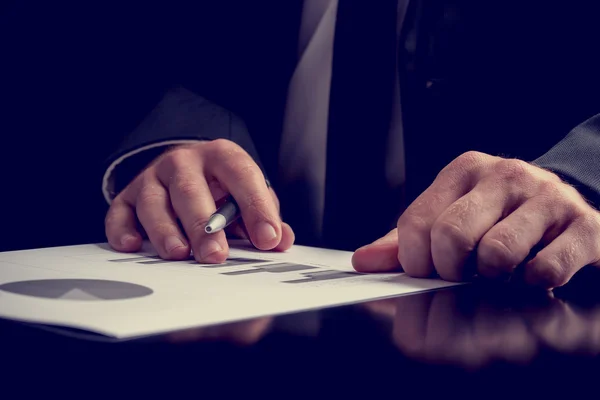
column 551, row 270
column 559, row 201
column 248, row 170
column 162, row 228
column 223, row 148
column 410, row 223
column 552, row 189
column 257, row 203
column 589, row 225
column 244, row 173
column 176, row 160
column 513, row 169
column 189, row 188
column 233, row 159
column 444, row 230
column 469, row 160
column 463, row 164
column 149, row 196
column 496, row 252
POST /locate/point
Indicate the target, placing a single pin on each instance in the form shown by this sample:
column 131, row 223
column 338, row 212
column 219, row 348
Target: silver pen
column 225, row 215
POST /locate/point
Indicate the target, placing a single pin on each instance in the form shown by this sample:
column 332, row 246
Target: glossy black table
column 477, row 340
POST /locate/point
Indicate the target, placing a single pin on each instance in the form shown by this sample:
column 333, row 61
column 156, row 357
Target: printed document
column 128, row 295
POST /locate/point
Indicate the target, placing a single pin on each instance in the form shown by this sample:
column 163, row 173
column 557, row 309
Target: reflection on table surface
column 478, row 334
column 469, row 326
column 448, row 327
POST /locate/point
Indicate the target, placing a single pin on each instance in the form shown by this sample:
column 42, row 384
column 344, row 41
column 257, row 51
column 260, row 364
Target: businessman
column 437, row 137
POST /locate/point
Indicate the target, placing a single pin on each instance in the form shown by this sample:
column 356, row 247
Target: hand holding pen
column 176, row 195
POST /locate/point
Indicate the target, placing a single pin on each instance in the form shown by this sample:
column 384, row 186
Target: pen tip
column 215, row 224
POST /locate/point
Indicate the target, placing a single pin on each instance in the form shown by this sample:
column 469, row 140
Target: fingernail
column 173, row 243
column 208, row 248
column 127, row 239
column 265, row 232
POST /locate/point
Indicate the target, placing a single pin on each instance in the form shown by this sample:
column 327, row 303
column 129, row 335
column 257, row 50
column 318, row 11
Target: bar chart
column 307, row 273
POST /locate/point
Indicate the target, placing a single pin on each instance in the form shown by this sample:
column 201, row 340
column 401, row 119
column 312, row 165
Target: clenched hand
column 173, row 198
column 501, row 212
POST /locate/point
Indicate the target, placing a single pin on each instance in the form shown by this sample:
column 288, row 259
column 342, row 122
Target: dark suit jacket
column 88, row 82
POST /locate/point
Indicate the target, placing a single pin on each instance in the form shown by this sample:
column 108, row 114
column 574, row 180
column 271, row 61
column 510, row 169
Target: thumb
column 379, row 256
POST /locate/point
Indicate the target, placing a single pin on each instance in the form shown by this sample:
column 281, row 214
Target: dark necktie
column 359, row 206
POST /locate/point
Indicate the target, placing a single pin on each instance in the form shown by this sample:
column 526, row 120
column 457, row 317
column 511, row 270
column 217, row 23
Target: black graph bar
column 243, row 260
column 272, row 268
column 244, row 272
column 160, row 262
column 232, row 262
column 134, row 259
column 287, row 267
column 324, row 276
column 197, row 264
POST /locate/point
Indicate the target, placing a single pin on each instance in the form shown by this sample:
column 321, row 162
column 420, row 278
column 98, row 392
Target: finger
column 194, row 204
column 240, row 176
column 156, row 215
column 510, row 241
column 275, row 199
column 120, row 227
column 576, row 247
column 287, row 238
column 415, row 224
column 238, row 229
column 379, row 256
column 458, row 230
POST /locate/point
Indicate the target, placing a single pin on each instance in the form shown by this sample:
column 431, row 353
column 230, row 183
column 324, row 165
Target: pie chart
column 77, row 289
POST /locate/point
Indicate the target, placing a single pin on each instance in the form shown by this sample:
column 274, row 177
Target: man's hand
column 500, row 211
column 174, row 197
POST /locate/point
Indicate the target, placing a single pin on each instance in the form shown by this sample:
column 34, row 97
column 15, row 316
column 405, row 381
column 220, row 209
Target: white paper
column 84, row 287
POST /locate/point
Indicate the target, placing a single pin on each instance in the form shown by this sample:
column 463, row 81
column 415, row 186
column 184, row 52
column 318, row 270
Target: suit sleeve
column 180, row 117
column 576, row 159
